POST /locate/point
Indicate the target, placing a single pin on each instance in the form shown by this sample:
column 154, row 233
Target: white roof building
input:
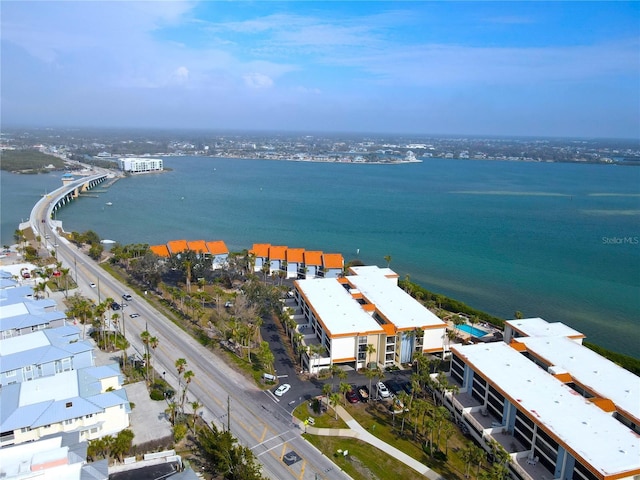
column 348, row 315
column 583, row 431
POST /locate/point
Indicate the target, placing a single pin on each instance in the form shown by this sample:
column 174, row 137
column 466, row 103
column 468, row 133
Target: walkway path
column 356, row 430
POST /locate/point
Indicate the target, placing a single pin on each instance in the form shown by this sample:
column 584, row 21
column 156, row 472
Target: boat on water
column 109, row 203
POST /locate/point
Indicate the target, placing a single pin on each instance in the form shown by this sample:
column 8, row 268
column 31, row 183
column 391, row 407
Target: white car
column 92, row 285
column 134, row 315
column 282, row 389
column 383, row 391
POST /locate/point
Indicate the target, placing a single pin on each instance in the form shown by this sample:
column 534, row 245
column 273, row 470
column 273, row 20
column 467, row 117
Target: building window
column 11, row 373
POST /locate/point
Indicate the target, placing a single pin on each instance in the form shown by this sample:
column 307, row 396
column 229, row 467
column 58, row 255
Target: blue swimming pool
column 476, row 332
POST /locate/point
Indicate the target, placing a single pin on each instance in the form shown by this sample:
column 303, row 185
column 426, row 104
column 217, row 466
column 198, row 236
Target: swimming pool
column 476, row 332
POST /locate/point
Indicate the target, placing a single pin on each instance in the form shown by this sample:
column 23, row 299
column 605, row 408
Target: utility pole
column 228, row 413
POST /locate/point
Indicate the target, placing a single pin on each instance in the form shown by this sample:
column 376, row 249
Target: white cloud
column 257, row 81
column 181, row 75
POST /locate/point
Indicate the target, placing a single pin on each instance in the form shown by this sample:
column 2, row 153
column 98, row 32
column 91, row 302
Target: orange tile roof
column 332, row 260
column 277, row 252
column 160, row 250
column 295, row 255
column 197, row 246
column 177, row 246
column 260, row 250
column 217, row 248
column 313, row 257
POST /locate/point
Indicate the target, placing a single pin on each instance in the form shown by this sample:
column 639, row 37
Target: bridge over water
column 44, row 210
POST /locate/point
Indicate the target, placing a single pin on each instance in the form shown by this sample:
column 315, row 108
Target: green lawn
column 363, row 460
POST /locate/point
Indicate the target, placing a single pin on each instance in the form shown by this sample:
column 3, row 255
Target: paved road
column 257, row 418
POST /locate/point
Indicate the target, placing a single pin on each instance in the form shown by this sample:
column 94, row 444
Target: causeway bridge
column 43, row 211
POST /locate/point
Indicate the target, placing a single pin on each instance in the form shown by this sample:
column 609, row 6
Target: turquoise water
column 540, row 238
column 476, row 332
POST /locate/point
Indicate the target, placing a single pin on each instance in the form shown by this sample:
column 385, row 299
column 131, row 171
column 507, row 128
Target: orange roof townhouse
column 312, row 264
column 199, row 247
column 277, row 256
column 295, row 261
column 332, row 265
column 260, row 252
column 176, row 247
column 160, row 250
column 219, row 253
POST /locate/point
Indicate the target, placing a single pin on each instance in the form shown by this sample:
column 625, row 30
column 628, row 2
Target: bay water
column 558, row 241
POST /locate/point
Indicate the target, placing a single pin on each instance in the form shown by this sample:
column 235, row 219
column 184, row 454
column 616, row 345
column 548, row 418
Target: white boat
column 109, row 203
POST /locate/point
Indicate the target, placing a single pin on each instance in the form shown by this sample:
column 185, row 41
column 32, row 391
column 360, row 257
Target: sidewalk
column 356, row 430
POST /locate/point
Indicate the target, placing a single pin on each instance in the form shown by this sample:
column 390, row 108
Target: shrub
column 156, row 395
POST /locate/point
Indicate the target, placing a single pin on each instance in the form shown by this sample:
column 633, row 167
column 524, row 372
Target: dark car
column 363, row 392
column 115, row 306
column 408, row 387
column 352, row 396
column 394, row 387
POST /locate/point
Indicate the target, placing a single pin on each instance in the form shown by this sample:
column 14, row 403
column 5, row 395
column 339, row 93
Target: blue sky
column 478, row 68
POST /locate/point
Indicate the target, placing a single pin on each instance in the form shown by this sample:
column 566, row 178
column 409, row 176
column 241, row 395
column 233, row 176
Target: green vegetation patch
column 363, row 461
column 29, row 161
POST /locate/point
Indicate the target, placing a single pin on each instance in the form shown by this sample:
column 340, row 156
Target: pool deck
column 466, row 337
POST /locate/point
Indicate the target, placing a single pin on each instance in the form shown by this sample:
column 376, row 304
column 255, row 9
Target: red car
column 352, row 396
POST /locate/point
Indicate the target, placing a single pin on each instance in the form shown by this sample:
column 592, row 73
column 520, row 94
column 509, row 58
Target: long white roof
column 588, row 368
column 339, row 312
column 538, row 327
column 397, row 306
column 595, row 436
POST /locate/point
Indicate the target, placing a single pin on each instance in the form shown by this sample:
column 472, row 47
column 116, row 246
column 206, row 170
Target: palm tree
column 186, row 264
column 181, row 366
column 477, row 456
column 315, row 350
column 145, row 336
column 153, row 343
column 387, row 258
column 468, row 457
column 370, row 374
column 371, row 349
column 334, row 400
column 188, row 376
column 344, row 388
column 327, row 388
column 195, row 405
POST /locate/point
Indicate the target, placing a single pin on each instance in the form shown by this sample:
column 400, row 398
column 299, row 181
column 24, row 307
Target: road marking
column 264, row 434
column 302, row 467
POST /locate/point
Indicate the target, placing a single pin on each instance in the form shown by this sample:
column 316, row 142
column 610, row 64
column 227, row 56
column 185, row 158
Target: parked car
column 352, row 396
column 282, row 389
column 394, row 388
column 408, row 387
column 363, row 391
column 383, row 391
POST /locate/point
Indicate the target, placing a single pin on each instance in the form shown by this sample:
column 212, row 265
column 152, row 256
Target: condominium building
column 140, row 165
column 560, row 410
column 362, row 318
